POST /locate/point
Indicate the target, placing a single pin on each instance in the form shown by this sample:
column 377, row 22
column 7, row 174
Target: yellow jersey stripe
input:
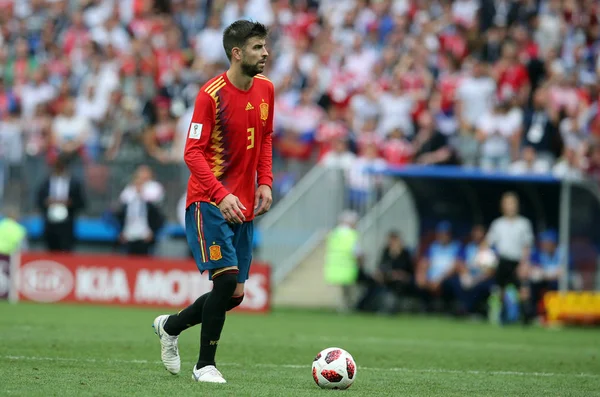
column 260, row 76
column 213, row 84
column 214, row 90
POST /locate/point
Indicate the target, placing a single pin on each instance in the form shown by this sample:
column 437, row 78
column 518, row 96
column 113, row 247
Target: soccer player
column 229, row 154
column 511, row 236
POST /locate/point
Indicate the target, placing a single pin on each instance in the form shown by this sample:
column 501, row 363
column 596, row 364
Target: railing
column 308, row 210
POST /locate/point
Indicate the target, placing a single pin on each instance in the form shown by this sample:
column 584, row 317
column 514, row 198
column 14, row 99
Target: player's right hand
column 231, row 208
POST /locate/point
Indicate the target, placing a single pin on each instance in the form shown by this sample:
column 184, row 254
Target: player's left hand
column 263, row 200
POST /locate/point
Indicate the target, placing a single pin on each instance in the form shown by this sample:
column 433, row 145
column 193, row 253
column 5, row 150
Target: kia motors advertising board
column 121, row 280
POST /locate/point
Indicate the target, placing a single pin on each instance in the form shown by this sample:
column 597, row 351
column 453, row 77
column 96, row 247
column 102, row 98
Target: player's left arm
column 264, row 198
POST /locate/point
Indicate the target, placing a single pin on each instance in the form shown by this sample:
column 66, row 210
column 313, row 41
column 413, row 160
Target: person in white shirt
column 70, row 132
column 474, row 95
column 152, row 190
column 112, row 32
column 339, row 157
column 363, row 183
column 205, row 41
column 140, row 221
column 498, row 131
column 568, row 166
column 529, row 163
column 396, row 106
column 511, row 236
column 11, row 153
column 38, row 91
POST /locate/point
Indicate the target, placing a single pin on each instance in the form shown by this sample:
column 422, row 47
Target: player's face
column 254, row 56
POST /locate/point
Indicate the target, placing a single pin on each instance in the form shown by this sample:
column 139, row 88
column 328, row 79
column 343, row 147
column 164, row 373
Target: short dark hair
column 239, row 32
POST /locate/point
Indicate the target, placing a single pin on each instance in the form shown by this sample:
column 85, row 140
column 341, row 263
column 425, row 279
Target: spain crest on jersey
column 264, row 111
column 215, row 252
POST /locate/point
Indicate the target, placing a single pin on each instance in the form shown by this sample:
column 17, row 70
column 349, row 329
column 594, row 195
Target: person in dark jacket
column 139, row 221
column 59, row 199
column 395, row 272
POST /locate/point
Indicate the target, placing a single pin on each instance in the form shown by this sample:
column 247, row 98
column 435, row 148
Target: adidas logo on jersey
column 249, row 106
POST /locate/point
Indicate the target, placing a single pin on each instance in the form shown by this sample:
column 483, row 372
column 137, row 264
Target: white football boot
column 169, row 352
column 208, row 374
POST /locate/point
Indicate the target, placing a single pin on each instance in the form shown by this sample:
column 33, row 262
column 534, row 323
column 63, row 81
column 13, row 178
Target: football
column 334, row 368
column 486, row 259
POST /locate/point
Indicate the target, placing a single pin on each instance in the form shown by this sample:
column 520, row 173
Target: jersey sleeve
column 265, row 161
column 198, row 136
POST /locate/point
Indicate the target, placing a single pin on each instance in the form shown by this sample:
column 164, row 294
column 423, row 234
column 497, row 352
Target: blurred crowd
column 503, row 85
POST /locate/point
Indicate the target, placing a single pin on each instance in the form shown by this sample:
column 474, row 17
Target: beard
column 251, row 69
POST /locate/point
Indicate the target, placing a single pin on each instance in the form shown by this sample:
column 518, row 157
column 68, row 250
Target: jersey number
column 250, row 138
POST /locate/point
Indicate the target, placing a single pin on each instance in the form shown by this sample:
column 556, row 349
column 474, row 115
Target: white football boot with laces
column 208, row 374
column 169, row 352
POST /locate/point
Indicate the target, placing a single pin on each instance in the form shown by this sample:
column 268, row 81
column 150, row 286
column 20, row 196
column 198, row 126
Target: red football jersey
column 229, row 143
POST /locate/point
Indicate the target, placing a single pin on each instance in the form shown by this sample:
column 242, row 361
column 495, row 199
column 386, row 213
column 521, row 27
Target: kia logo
column 45, row 281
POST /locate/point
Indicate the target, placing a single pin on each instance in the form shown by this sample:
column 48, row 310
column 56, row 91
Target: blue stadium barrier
column 105, row 230
column 456, row 172
column 96, row 230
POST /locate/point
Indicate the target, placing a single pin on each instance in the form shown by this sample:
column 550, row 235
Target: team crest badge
column 215, row 252
column 264, row 111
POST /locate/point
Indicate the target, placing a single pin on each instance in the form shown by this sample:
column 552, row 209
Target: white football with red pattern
column 334, row 368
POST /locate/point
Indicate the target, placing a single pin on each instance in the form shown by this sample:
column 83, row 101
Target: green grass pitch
column 69, row 350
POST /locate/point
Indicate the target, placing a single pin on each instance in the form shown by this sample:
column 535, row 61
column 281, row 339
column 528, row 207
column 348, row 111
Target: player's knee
column 235, row 301
column 224, row 283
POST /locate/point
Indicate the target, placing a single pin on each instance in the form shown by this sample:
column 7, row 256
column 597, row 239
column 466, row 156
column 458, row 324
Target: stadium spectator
column 476, row 281
column 431, row 146
column 540, row 127
column 160, row 139
column 436, row 275
column 339, row 157
column 397, row 150
column 365, row 108
column 11, row 154
column 124, row 131
column 364, row 183
column 71, row 133
column 474, row 95
column 528, row 163
column 37, row 91
column 395, row 273
column 498, row 132
column 547, row 266
column 568, row 166
column 13, row 236
column 139, row 219
column 343, row 257
column 331, row 128
column 60, row 198
column 151, row 190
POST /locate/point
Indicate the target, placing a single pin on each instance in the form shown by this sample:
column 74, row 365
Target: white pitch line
column 297, row 366
column 459, row 344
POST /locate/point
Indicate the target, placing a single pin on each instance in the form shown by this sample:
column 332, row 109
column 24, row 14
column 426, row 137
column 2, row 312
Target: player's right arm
column 198, row 138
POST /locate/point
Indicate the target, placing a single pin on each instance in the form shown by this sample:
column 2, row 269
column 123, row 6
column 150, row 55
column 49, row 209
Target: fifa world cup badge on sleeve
column 195, row 130
column 215, row 252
